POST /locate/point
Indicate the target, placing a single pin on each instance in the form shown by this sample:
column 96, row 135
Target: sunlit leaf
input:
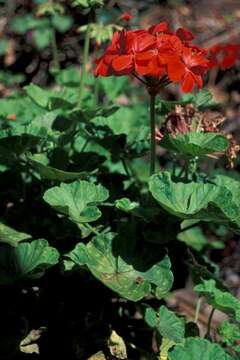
column 77, row 200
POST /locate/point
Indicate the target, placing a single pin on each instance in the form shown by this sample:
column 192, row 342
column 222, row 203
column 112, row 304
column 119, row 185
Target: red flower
column 155, row 55
column 126, row 16
column 119, row 58
column 224, row 56
column 187, row 69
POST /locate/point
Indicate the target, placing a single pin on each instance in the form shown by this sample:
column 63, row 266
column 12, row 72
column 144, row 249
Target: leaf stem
column 84, row 63
column 125, row 167
column 209, row 323
column 92, row 229
column 153, row 140
column 198, row 307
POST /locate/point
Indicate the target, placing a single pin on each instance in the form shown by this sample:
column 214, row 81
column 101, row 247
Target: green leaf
column 11, row 236
column 50, row 8
column 219, row 299
column 198, row 349
column 40, row 96
column 151, row 317
column 167, row 323
column 148, row 213
column 194, row 238
column 229, row 333
column 213, row 200
column 119, row 275
column 180, row 198
column 23, row 23
column 3, row 46
column 126, row 205
column 77, row 200
column 111, row 87
column 26, row 261
column 88, row 3
column 195, row 143
column 68, row 77
column 170, row 326
column 23, row 107
column 52, row 173
column 62, row 23
column 42, row 37
column 203, row 99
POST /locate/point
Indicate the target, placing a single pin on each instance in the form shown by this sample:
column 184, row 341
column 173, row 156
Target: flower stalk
column 153, row 139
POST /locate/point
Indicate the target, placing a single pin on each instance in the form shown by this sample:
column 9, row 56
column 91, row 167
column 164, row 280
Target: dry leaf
column 117, row 346
column 30, row 349
column 98, row 356
column 28, row 344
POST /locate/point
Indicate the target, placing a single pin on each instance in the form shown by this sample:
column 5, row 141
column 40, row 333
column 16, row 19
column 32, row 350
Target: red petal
column 175, row 70
column 145, row 56
column 184, row 34
column 102, row 69
column 122, row 63
column 145, row 42
column 188, row 82
column 161, row 27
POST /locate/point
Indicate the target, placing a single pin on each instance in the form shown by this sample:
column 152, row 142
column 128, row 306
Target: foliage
column 78, row 204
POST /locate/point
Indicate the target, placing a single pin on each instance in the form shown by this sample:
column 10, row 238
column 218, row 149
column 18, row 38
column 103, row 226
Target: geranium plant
column 86, row 226
column 155, row 57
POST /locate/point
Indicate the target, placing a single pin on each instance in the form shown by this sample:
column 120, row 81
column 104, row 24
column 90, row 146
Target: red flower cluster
column 224, row 56
column 155, row 54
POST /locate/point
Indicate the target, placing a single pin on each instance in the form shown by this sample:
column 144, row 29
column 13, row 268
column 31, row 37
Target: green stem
column 125, row 167
column 198, row 307
column 84, row 63
column 96, row 92
column 92, row 229
column 55, row 49
column 153, row 140
column 209, row 323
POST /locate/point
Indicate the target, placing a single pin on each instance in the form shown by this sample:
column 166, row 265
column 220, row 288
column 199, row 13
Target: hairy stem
column 153, row 140
column 84, row 63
